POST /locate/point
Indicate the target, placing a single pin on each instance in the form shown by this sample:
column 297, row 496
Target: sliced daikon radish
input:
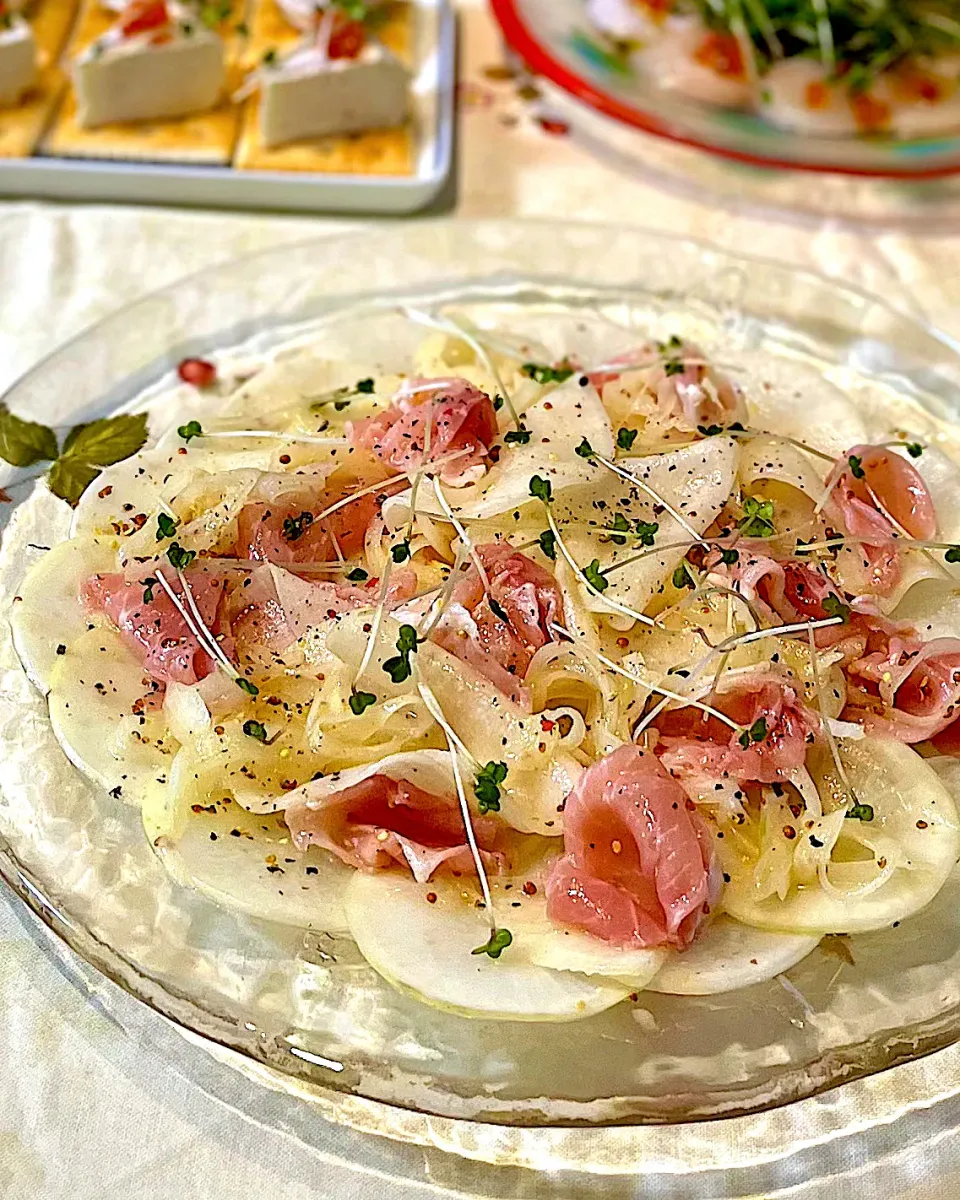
column 94, row 687
column 728, row 955
column 146, row 478
column 50, row 615
column 426, row 948
column 913, row 818
column 545, row 944
column 247, row 862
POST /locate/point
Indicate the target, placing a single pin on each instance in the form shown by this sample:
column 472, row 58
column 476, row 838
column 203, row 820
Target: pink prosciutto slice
column 153, row 628
column 684, row 391
column 695, row 745
column 431, row 419
column 273, row 607
column 382, row 822
column 905, row 688
column 788, row 590
column 877, row 496
column 291, row 529
column 498, row 629
column 637, row 864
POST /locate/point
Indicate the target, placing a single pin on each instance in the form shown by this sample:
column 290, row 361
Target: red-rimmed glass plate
column 556, row 40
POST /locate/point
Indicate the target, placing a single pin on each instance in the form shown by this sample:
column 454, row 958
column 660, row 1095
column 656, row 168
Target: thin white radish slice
column 728, row 955
column 426, row 949
column 247, row 862
column 94, row 687
column 49, row 614
column 913, row 814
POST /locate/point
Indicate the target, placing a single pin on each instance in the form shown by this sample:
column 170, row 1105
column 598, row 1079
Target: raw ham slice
column 904, row 688
column 787, row 590
column 381, row 822
column 694, row 744
column 499, row 630
column 636, row 869
column 154, row 629
column 287, row 531
column 877, row 496
column 273, row 607
column 461, row 420
column 673, row 387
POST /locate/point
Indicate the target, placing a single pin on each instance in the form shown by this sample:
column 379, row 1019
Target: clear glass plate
column 300, row 1009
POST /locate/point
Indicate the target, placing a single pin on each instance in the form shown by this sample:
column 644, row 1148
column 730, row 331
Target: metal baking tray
column 114, row 180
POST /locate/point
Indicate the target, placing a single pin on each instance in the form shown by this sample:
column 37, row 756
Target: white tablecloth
column 84, row 1112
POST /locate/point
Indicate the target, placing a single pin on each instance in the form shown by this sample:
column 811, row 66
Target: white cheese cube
column 18, row 60
column 134, row 79
column 305, row 98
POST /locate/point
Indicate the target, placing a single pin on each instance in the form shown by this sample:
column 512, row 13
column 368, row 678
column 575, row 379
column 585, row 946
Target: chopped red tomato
column 636, row 869
column 720, row 52
column 141, row 16
column 872, row 115
column 347, row 39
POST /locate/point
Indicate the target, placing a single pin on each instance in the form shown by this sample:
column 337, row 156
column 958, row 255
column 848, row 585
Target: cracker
column 372, row 152
column 201, row 138
column 22, row 126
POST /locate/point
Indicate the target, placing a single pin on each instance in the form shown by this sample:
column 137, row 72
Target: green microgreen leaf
column 364, row 387
column 399, row 668
column 585, row 450
column 682, row 576
column 255, row 730
column 541, row 489
column 860, row 812
column 246, row 686
column 728, row 557
column 400, row 552
column 953, row 554
column 487, row 786
column 548, row 544
column 621, row 525
column 519, row 437
column 192, row 429
column 595, row 577
column 626, row 438
column 361, row 701
column 543, row 373
column 647, row 531
column 166, row 526
column 295, row 527
column 148, row 585
column 855, row 463
column 357, row 575
column 833, row 606
column 179, row 558
column 499, row 940
column 757, row 519
column 756, row 733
